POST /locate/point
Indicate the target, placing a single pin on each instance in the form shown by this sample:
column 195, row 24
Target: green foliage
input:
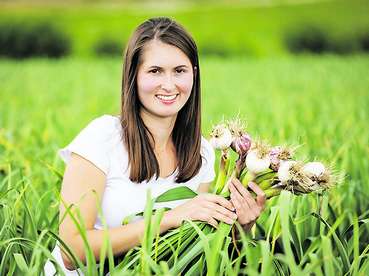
column 307, row 39
column 25, row 39
column 307, row 100
column 175, row 194
column 364, row 41
column 108, row 47
column 317, row 40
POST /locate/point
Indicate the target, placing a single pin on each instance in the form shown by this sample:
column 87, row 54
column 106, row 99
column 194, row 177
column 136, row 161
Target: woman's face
column 164, row 79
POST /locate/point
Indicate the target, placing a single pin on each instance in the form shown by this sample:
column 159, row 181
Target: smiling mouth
column 167, row 97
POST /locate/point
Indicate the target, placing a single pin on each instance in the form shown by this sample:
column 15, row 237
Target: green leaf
column 20, row 262
column 266, row 265
column 176, row 194
column 355, row 264
column 327, row 256
column 197, row 268
column 284, row 203
column 338, row 242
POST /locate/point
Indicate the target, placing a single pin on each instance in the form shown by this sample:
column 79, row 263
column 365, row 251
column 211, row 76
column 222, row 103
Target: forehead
column 157, row 53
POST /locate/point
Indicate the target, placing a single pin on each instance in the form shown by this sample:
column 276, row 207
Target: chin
column 167, row 115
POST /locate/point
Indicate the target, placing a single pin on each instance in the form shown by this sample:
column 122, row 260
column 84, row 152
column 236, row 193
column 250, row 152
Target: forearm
column 122, row 239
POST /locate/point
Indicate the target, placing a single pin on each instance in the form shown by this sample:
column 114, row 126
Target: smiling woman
column 169, row 82
column 155, row 143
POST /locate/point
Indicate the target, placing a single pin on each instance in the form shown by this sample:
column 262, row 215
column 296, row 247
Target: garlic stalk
column 241, row 144
column 221, row 139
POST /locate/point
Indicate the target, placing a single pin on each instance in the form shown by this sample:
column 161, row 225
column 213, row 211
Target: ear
column 194, row 73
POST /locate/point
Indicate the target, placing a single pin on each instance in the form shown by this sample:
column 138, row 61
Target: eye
column 180, row 71
column 154, row 71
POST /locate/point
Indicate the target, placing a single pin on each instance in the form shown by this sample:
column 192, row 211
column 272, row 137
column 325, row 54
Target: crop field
column 317, row 101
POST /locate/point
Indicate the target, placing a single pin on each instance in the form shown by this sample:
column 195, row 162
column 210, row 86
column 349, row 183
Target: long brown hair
column 186, row 133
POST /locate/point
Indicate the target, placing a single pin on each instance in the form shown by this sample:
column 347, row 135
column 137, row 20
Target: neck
column 161, row 129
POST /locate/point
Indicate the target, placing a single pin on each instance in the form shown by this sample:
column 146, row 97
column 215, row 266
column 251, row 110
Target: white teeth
column 166, row 98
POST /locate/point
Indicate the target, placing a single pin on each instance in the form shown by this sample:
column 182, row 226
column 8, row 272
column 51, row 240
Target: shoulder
column 95, row 141
column 105, row 122
column 102, row 128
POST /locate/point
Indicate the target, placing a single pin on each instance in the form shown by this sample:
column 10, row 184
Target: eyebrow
column 179, row 66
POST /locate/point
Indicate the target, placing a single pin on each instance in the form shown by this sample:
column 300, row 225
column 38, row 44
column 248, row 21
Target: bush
column 307, row 39
column 108, row 47
column 214, row 49
column 25, row 39
column 364, row 41
column 343, row 44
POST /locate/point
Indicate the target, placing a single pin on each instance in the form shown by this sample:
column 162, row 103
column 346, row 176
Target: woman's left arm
column 247, row 208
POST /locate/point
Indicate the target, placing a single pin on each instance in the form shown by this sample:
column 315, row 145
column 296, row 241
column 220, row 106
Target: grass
column 320, row 102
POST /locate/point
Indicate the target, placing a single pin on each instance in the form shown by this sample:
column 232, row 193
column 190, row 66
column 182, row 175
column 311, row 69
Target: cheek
column 185, row 83
column 147, row 84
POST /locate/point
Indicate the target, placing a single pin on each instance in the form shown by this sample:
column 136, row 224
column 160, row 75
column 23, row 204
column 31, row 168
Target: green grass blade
column 176, row 194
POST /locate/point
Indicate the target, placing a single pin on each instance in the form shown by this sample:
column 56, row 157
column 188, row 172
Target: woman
column 155, row 144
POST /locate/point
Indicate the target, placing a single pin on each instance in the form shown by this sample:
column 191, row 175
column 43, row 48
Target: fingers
column 236, row 203
column 220, row 200
column 216, row 207
column 212, row 222
column 246, row 207
column 208, row 219
column 221, row 213
column 243, row 191
column 211, row 216
column 222, row 217
column 260, row 195
column 243, row 198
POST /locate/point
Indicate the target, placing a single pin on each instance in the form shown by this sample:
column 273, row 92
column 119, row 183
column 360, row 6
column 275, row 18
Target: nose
column 168, row 83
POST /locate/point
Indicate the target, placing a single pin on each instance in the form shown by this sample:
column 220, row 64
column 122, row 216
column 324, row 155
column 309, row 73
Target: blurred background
column 222, row 28
column 295, row 70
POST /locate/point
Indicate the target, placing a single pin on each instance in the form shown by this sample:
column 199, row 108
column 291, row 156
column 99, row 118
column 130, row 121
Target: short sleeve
column 208, row 155
column 92, row 143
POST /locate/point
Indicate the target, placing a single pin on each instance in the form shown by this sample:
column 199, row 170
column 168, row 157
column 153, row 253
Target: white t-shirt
column 100, row 143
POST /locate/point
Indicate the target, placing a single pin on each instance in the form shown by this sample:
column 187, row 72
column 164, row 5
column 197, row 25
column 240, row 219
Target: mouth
column 167, row 99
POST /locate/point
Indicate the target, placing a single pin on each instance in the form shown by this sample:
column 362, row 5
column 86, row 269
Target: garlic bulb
column 314, row 169
column 257, row 163
column 221, row 137
column 284, row 171
column 279, row 154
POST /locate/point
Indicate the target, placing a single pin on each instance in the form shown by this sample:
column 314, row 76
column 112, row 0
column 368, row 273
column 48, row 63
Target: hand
column 204, row 207
column 247, row 208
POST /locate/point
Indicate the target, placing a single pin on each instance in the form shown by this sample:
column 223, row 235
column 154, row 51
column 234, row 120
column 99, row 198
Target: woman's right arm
column 83, row 186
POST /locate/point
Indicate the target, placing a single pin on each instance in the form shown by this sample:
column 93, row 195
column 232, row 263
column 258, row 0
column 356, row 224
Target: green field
column 320, row 102
column 317, row 101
